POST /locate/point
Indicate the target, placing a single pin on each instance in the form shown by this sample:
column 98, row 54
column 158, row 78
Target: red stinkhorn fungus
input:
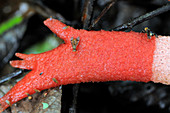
column 95, row 56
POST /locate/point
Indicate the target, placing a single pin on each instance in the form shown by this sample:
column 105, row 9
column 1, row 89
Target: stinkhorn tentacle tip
column 60, row 29
column 21, row 55
column 23, row 64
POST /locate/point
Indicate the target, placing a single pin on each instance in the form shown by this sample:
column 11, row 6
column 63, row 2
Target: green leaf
column 10, row 23
column 49, row 43
column 45, row 105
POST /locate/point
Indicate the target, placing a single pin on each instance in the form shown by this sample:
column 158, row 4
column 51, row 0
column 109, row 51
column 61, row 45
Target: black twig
column 9, row 76
column 102, row 13
column 10, row 53
column 75, row 94
column 87, row 11
column 143, row 18
column 44, row 11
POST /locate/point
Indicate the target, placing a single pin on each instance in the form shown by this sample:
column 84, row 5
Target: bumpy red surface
column 100, row 56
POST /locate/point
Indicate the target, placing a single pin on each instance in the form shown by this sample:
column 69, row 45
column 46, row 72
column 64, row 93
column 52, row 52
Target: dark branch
column 9, row 76
column 143, row 18
column 102, row 13
column 44, row 11
column 75, row 94
column 87, row 11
